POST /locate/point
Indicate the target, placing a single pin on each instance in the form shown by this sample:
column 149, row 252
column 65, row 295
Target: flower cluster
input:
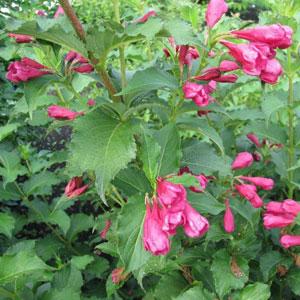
column 169, row 210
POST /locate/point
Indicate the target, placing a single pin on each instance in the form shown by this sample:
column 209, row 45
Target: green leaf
column 80, row 262
column 268, row 263
column 247, row 114
column 257, row 291
column 79, row 222
column 226, row 275
column 7, row 130
column 204, row 128
column 148, row 80
column 7, row 224
column 169, row 141
column 201, row 158
column 11, row 166
column 132, row 181
column 293, row 281
column 148, row 29
column 129, row 230
column 185, row 179
column 149, row 155
column 21, row 264
column 60, row 218
column 102, row 144
column 40, row 183
column 196, row 293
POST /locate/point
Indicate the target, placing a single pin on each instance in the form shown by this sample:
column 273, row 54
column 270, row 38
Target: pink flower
column 40, row 13
column 256, row 156
column 200, row 94
column 254, row 139
column 171, row 220
column 145, row 17
column 229, row 225
column 105, row 229
column 59, row 112
column 75, row 188
column 59, row 12
column 170, row 193
column 288, row 206
column 25, row 69
column 201, row 113
column 262, row 182
column 215, row 10
column 155, row 239
column 288, row 241
column 228, row 65
column 21, row 38
column 196, row 225
column 277, row 221
column 117, row 275
column 271, row 72
column 231, row 78
column 248, row 191
column 91, row 102
column 276, row 35
column 242, row 160
column 78, row 63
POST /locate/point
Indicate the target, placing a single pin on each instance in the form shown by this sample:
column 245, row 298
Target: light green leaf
column 80, row 262
column 129, row 230
column 21, row 264
column 148, row 80
column 148, row 29
column 60, row 218
column 7, row 224
column 227, row 276
column 196, row 293
column 185, row 179
column 102, row 144
column 7, row 130
column 257, row 291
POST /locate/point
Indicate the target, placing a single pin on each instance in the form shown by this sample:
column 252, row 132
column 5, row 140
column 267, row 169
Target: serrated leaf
column 102, row 144
column 129, row 230
column 196, row 293
column 148, row 29
column 185, row 179
column 169, row 140
column 7, row 224
column 79, row 222
column 60, row 218
column 148, row 80
column 257, row 291
column 7, row 130
column 201, row 158
column 226, row 276
column 21, row 264
column 268, row 262
column 80, row 262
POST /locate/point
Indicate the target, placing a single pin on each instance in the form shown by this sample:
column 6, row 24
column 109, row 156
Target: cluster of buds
column 75, row 187
column 77, row 63
column 170, row 209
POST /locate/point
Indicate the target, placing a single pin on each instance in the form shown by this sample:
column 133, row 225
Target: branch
column 69, row 11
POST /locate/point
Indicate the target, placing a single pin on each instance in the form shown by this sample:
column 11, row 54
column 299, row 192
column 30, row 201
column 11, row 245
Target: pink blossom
column 242, row 160
column 277, row 221
column 171, row 219
column 117, row 275
column 248, row 191
column 105, row 229
column 215, row 10
column 228, row 65
column 59, row 12
column 21, row 38
column 41, row 13
column 256, row 156
column 271, row 72
column 91, row 102
column 262, row 182
column 288, row 206
column 170, row 193
column 254, row 139
column 230, row 78
column 288, row 241
column 229, row 225
column 155, row 239
column 200, row 94
column 59, row 112
column 75, row 187
column 196, row 225
column 78, row 63
column 145, row 17
column 25, row 69
column 276, row 35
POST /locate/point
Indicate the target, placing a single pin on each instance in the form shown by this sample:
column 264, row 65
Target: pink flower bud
column 228, row 65
column 242, row 160
column 229, row 225
column 201, row 113
column 248, row 191
column 276, row 35
column 215, row 10
column 231, row 78
column 254, row 139
column 21, row 38
column 78, row 63
column 277, row 221
column 170, row 193
column 288, row 241
column 145, row 17
column 25, row 69
column 105, row 229
column 256, row 156
column 195, row 225
column 75, row 187
column 202, row 179
column 262, row 182
column 91, row 102
column 288, row 206
column 62, row 113
column 117, row 275
column 155, row 239
column 59, row 12
column 41, row 13
column 271, row 72
column 171, row 220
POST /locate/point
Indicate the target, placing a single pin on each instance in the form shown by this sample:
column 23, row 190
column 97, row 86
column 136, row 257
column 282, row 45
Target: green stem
column 59, row 94
column 118, row 196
